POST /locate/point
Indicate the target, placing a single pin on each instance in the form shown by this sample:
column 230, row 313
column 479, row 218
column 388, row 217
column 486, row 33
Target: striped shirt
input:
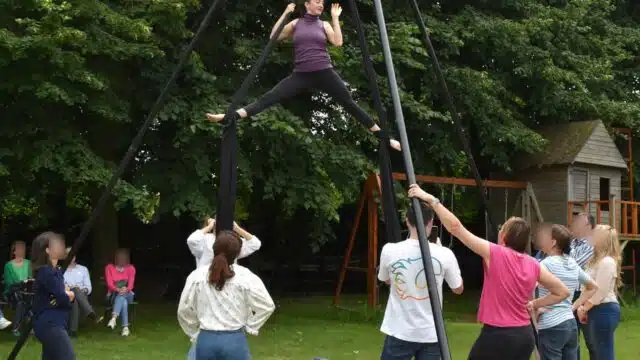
column 581, row 251
column 572, row 276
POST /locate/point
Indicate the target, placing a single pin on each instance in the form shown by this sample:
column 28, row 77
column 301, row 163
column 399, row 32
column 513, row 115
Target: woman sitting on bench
column 120, row 278
column 16, row 272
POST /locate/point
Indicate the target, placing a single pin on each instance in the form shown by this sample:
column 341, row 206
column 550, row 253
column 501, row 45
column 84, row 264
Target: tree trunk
column 104, row 243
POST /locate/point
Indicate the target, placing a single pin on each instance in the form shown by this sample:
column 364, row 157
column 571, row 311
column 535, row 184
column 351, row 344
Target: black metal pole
column 434, row 297
column 117, row 174
column 228, row 165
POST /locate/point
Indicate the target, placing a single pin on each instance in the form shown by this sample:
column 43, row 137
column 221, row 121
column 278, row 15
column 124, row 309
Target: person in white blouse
column 201, row 241
column 601, row 311
column 221, row 302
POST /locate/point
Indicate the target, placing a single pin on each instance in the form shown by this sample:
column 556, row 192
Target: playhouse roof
column 586, row 142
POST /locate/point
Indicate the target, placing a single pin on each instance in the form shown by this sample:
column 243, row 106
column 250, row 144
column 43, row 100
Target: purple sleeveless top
column 310, row 45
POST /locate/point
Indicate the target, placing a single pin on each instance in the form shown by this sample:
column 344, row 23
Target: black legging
column 326, row 80
column 504, row 343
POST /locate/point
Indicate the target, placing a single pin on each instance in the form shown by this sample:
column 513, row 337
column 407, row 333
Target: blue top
column 565, row 268
column 310, row 45
column 51, row 304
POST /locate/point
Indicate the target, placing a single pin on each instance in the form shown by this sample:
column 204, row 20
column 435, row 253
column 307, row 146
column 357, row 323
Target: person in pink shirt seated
column 120, row 278
column 510, row 277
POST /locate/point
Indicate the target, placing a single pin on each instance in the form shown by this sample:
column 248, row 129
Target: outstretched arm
column 288, row 29
column 452, row 223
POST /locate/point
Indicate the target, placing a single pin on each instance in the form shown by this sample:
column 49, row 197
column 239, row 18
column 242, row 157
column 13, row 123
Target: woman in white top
column 601, row 311
column 201, row 241
column 220, row 303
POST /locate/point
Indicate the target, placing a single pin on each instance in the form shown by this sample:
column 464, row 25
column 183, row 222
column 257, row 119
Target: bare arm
column 333, row 31
column 452, row 224
column 288, row 29
column 590, row 288
column 557, row 290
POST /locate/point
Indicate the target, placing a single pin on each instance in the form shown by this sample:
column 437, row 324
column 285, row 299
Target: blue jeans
column 603, row 321
column 222, row 345
column 559, row 342
column 396, row 349
column 121, row 307
column 192, row 353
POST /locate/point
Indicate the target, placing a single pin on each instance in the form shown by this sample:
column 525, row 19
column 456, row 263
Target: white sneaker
column 4, row 323
column 112, row 323
column 125, row 331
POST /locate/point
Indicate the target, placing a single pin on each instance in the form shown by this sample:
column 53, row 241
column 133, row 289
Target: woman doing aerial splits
column 313, row 68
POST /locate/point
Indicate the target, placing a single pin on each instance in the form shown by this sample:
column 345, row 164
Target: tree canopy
column 79, row 76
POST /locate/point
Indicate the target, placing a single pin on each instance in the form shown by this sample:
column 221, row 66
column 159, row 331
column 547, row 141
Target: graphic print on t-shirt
column 409, row 279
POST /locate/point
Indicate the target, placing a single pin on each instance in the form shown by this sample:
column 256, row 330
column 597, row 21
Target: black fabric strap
column 226, row 200
column 389, row 202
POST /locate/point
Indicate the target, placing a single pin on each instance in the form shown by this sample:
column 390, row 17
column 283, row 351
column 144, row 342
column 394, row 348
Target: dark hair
column 562, row 236
column 226, row 249
column 427, row 215
column 517, row 234
column 39, row 256
column 13, row 248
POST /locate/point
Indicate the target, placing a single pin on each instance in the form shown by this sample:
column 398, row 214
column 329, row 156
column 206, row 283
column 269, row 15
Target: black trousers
column 507, row 343
column 56, row 344
column 326, row 80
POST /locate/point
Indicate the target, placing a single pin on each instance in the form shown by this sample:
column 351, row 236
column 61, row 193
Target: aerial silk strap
column 229, row 147
column 389, row 202
column 131, row 152
column 454, row 116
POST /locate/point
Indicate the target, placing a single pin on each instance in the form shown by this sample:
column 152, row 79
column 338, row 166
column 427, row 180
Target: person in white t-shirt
column 408, row 318
column 200, row 243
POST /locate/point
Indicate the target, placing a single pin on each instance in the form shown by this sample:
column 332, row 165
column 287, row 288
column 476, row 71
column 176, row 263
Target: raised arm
column 333, row 30
column 287, row 31
column 250, row 243
column 452, row 223
column 197, row 241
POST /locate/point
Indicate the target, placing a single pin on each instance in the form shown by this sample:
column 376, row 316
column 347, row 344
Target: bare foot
column 395, row 144
column 215, row 117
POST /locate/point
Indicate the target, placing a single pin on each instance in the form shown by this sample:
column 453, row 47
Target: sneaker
column 4, row 323
column 125, row 331
column 112, row 323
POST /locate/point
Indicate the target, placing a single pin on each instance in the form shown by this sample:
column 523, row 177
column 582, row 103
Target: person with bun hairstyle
column 222, row 302
column 557, row 327
column 52, row 300
column 510, row 277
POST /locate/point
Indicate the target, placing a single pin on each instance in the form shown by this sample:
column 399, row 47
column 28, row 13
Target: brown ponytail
column 226, row 249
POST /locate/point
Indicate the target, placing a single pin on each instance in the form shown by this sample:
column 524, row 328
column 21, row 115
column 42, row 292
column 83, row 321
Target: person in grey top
column 582, row 226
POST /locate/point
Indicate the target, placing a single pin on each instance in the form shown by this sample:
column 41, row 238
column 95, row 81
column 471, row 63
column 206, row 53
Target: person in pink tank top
column 510, row 277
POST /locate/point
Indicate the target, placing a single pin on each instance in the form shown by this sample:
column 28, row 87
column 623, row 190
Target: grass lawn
column 301, row 329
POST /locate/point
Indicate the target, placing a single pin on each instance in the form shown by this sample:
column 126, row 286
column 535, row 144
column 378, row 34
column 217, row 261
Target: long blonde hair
column 608, row 244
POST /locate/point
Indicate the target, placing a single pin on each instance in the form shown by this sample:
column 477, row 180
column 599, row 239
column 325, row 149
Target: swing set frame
column 369, row 198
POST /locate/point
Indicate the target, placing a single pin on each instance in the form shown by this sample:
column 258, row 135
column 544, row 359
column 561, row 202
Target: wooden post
column 352, row 240
column 534, row 202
